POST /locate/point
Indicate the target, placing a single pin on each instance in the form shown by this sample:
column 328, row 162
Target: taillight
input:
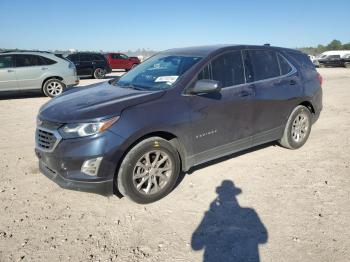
column 320, row 78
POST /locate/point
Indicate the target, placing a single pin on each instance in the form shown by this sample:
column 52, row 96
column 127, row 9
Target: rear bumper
column 71, row 80
column 104, row 187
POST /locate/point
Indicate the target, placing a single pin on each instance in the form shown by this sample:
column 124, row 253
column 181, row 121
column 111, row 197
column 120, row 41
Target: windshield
column 158, row 72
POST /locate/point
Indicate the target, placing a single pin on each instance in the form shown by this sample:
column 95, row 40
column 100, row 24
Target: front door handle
column 292, row 82
column 44, row 68
column 10, row 70
column 245, row 93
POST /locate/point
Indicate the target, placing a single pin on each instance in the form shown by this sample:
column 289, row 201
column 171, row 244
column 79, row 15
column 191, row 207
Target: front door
column 8, row 79
column 222, row 121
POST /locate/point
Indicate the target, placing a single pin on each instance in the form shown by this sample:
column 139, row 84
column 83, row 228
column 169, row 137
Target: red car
column 121, row 61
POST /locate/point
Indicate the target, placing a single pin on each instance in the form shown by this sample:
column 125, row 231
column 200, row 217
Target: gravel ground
column 279, row 204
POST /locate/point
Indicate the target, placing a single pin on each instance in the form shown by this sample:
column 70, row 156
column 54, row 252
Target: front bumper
column 104, row 187
column 63, row 162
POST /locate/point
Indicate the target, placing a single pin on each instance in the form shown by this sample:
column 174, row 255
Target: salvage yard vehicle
column 92, row 65
column 35, row 70
column 178, row 109
column 335, row 61
column 121, row 61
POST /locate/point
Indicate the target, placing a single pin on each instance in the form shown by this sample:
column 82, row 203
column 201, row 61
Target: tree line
column 333, row 45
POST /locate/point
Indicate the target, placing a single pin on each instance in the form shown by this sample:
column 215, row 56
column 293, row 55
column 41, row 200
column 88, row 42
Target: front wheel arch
column 171, row 138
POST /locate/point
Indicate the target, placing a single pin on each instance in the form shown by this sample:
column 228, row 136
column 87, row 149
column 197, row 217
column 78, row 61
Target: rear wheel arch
column 309, row 106
column 50, row 77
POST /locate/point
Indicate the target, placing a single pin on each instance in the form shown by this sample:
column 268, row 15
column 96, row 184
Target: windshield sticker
column 168, row 79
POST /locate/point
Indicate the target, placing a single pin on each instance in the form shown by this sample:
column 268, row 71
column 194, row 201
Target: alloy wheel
column 300, row 127
column 152, row 172
column 99, row 73
column 54, row 88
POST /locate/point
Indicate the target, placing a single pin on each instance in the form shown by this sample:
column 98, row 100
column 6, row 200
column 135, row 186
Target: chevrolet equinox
column 180, row 108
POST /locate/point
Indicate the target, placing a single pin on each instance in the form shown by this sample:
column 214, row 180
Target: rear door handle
column 44, row 68
column 10, row 70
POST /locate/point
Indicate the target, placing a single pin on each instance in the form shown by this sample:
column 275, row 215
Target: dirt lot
column 280, row 204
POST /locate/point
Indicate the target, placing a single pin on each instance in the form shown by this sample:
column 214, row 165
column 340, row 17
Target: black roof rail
column 31, row 51
column 267, row 44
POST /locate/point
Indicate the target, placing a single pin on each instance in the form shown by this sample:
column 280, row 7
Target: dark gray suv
column 180, row 108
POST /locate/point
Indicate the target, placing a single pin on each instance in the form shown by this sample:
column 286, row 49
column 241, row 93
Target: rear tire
column 149, row 171
column 347, row 65
column 297, row 129
column 99, row 73
column 53, row 87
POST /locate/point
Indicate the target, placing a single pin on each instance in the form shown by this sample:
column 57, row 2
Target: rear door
column 86, row 64
column 120, row 61
column 8, row 80
column 76, row 61
column 29, row 71
column 222, row 121
column 277, row 86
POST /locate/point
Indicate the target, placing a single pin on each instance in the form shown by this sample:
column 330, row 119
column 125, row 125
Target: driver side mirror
column 206, row 86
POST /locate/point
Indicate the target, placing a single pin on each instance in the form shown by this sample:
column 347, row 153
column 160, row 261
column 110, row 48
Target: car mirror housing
column 206, row 86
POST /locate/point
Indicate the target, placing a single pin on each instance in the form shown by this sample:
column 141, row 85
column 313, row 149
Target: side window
column 260, row 64
column 5, row 61
column 301, row 59
column 85, row 58
column 115, row 56
column 26, row 60
column 122, row 56
column 97, row 58
column 227, row 68
column 284, row 65
column 73, row 58
column 45, row 61
column 205, row 73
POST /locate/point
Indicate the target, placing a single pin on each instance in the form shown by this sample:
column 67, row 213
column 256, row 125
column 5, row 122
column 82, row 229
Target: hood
column 93, row 103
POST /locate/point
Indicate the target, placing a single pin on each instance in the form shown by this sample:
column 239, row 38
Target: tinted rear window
column 301, row 59
column 284, row 65
column 85, row 57
column 98, row 57
column 73, row 58
column 260, row 64
column 45, row 61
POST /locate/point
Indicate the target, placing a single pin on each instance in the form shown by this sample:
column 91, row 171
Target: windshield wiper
column 130, row 86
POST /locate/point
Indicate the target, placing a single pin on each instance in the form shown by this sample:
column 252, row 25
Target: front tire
column 53, row 87
column 347, row 65
column 297, row 129
column 149, row 171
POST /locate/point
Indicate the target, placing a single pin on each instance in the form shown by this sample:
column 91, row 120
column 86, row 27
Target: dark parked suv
column 90, row 64
column 178, row 109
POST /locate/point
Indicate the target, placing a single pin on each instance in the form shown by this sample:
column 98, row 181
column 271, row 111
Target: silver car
column 36, row 70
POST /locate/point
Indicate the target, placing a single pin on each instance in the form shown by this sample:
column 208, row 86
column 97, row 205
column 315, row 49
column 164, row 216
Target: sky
column 112, row 25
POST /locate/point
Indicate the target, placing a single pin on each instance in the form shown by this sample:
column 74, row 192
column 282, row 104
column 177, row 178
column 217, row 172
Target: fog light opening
column 90, row 166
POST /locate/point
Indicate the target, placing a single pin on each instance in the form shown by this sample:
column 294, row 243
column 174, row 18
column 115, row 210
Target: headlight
column 86, row 129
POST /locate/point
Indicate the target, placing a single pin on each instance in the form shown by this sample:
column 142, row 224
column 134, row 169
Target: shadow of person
column 229, row 232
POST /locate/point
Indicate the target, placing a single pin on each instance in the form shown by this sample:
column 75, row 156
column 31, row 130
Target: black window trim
column 13, row 65
column 293, row 71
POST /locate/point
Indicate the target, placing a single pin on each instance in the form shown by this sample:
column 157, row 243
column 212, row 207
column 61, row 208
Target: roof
column 210, row 49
